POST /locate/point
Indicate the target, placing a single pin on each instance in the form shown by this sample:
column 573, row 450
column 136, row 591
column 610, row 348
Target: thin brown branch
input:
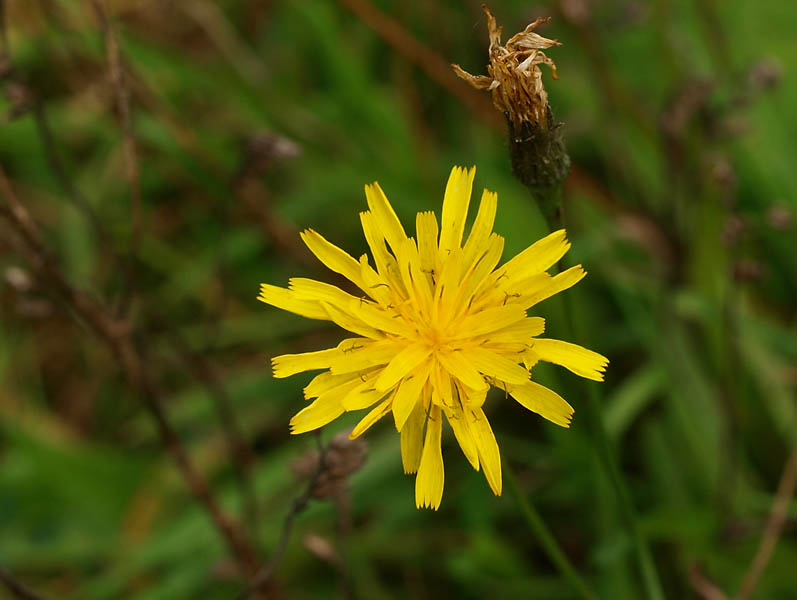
column 132, row 171
column 703, row 586
column 13, row 585
column 119, row 338
column 425, row 58
column 3, row 31
column 241, row 455
column 69, row 190
column 265, row 572
column 773, row 529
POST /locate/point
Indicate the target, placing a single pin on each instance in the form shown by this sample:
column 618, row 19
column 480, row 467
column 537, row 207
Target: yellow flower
column 437, row 325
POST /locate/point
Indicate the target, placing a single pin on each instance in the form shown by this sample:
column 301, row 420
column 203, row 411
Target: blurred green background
column 254, row 119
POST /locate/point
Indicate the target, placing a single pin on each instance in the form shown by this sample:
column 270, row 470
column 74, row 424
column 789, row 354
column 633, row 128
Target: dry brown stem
column 118, row 336
column 132, row 171
column 773, row 529
column 422, row 56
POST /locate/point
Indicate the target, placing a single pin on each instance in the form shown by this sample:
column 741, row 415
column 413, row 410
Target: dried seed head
column 515, row 78
column 342, row 458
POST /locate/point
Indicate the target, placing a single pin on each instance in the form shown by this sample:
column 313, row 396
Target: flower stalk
column 539, row 159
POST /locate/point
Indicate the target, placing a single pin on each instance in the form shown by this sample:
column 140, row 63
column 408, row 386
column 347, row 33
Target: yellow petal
column 455, row 208
column 310, row 289
column 291, row 364
column 287, row 300
column 334, row 258
column 379, row 318
column 483, row 263
column 558, row 283
column 520, row 332
column 580, row 361
column 402, row 364
column 362, row 396
column 378, row 287
column 412, row 276
column 430, row 478
column 475, row 398
column 408, row 395
column 371, row 418
column 352, row 323
column 359, row 355
column 489, row 320
column 412, row 438
column 426, row 231
column 384, row 260
column 489, row 456
column 386, row 217
column 482, row 226
column 325, row 409
column 459, row 366
column 538, row 257
column 325, row 382
column 544, row 402
column 497, row 366
column 456, row 418
column 442, row 392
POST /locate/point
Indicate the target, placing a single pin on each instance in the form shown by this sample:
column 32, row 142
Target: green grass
column 699, row 400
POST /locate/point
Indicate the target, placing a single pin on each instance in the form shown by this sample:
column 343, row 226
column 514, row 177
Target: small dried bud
column 20, row 98
column 515, row 76
column 779, row 217
column 723, row 173
column 19, row 279
column 342, row 458
column 262, row 150
column 5, row 66
column 747, row 269
column 734, row 229
column 765, row 75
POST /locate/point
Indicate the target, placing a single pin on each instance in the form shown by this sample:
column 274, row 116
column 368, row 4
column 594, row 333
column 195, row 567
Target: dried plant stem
column 773, row 529
column 423, row 57
column 703, row 586
column 17, row 588
column 240, row 453
column 132, row 171
column 266, row 571
column 119, row 338
column 545, row 537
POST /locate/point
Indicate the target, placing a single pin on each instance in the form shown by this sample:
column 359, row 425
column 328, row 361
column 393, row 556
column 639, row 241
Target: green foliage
column 675, row 143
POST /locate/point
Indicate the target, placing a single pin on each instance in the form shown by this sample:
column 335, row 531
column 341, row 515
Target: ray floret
column 437, row 324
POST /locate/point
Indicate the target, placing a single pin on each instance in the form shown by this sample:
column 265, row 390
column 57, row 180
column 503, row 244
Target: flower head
column 515, row 76
column 437, row 325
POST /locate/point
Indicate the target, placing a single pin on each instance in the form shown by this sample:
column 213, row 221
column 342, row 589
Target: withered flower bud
column 536, row 144
column 515, row 76
column 342, row 458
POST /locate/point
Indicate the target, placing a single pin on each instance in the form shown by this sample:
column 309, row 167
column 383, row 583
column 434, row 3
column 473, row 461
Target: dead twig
column 16, row 587
column 3, row 30
column 240, row 453
column 773, row 529
column 264, row 573
column 425, row 58
column 704, row 588
column 132, row 171
column 119, row 338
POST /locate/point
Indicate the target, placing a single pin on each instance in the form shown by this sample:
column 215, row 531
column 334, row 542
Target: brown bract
column 515, row 78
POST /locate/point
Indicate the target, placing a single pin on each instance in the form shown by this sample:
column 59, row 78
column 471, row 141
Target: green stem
column 647, row 567
column 546, row 538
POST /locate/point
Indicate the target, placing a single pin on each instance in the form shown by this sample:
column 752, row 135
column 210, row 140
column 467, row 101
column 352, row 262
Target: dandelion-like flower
column 437, row 326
